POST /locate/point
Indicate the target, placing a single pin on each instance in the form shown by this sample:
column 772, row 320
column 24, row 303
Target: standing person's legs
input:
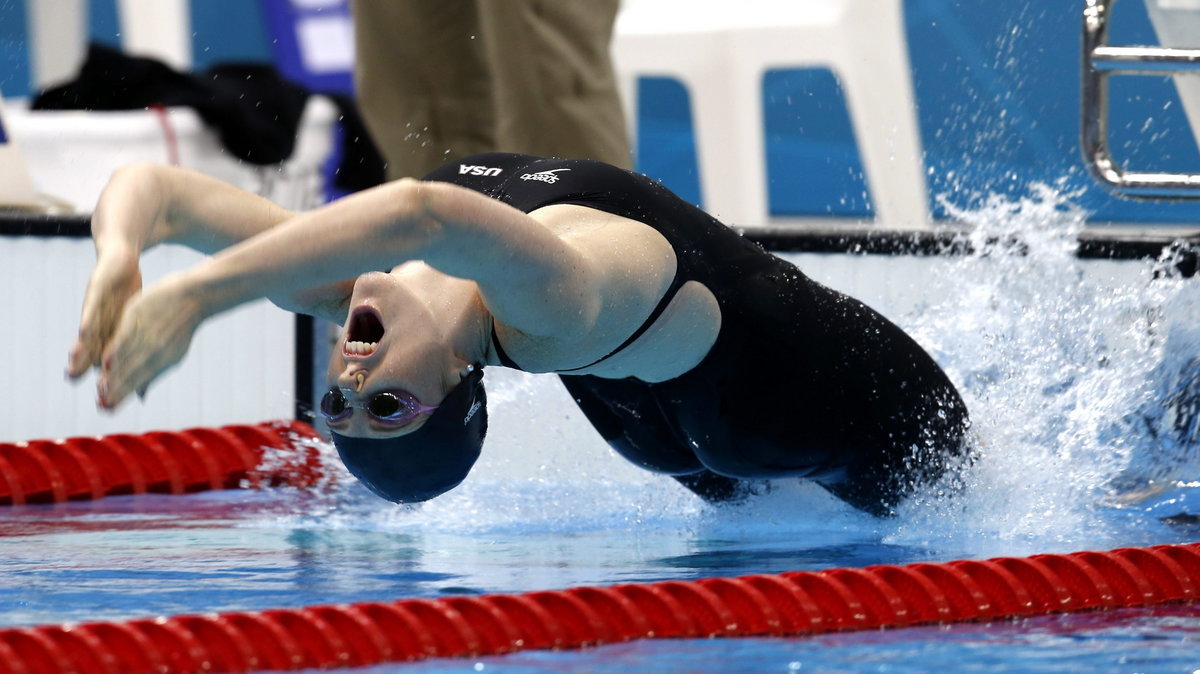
column 422, row 82
column 555, row 90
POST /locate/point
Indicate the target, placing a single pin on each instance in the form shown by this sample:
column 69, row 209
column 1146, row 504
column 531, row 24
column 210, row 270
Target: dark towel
column 255, row 111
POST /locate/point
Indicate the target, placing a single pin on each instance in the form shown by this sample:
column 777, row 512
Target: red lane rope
column 795, row 603
column 170, row 462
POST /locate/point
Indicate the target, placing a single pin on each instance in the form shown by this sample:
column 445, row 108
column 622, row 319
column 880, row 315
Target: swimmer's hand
column 153, row 334
column 116, row 278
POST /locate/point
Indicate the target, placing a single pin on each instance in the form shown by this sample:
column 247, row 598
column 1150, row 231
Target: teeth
column 360, row 348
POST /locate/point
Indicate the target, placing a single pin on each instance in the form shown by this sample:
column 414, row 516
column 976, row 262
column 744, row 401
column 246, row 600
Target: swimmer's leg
column 627, row 415
column 877, row 500
column 877, row 483
column 716, row 488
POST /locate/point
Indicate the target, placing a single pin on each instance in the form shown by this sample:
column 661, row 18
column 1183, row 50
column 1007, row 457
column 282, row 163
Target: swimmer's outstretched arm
column 531, row 279
column 144, row 205
column 527, row 274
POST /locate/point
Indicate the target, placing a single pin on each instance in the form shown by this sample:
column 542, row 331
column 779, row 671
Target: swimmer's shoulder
column 621, row 248
column 635, row 269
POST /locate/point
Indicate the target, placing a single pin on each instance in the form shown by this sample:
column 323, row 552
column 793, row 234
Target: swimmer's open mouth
column 363, row 332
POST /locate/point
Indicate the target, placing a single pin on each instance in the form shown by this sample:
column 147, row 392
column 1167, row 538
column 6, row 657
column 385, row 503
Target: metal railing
column 1101, row 60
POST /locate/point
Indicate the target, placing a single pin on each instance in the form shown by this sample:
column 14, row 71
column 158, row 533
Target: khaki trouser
column 441, row 79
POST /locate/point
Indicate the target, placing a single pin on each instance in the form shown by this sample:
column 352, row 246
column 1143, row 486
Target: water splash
column 1074, row 371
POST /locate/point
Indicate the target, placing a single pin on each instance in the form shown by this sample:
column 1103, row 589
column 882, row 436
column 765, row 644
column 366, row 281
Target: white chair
column 159, row 29
column 720, row 49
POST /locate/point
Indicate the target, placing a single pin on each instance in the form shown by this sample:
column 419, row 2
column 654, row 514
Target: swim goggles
column 395, row 408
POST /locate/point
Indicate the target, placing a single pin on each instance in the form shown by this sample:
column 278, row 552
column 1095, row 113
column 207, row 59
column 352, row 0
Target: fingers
column 123, row 371
column 84, row 353
column 77, row 360
column 114, row 281
column 86, row 350
column 149, row 340
column 116, row 383
column 133, row 336
column 116, row 363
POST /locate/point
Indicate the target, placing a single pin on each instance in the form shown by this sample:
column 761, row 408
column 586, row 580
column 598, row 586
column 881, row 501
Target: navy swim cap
column 430, row 461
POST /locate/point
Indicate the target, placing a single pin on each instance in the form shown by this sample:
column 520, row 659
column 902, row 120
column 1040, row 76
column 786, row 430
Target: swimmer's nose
column 353, row 379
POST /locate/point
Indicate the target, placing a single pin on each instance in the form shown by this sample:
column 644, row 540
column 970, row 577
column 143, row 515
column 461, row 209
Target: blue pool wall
column 996, row 85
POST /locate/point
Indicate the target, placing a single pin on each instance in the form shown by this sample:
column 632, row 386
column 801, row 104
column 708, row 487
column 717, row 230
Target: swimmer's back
column 802, row 380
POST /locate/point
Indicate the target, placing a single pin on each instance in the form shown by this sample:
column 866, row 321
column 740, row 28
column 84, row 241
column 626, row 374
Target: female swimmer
column 691, row 350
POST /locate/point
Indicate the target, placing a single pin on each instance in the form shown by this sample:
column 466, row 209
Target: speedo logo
column 550, row 176
column 471, row 412
column 468, row 169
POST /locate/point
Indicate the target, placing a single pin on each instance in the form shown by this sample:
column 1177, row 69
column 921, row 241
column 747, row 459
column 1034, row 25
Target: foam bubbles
column 1068, row 367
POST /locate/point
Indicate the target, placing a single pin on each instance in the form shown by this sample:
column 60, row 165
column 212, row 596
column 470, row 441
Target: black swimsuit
column 802, row 381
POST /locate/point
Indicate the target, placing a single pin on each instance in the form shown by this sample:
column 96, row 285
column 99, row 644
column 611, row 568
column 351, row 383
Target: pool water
column 1149, row 640
column 1082, row 397
column 132, row 557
